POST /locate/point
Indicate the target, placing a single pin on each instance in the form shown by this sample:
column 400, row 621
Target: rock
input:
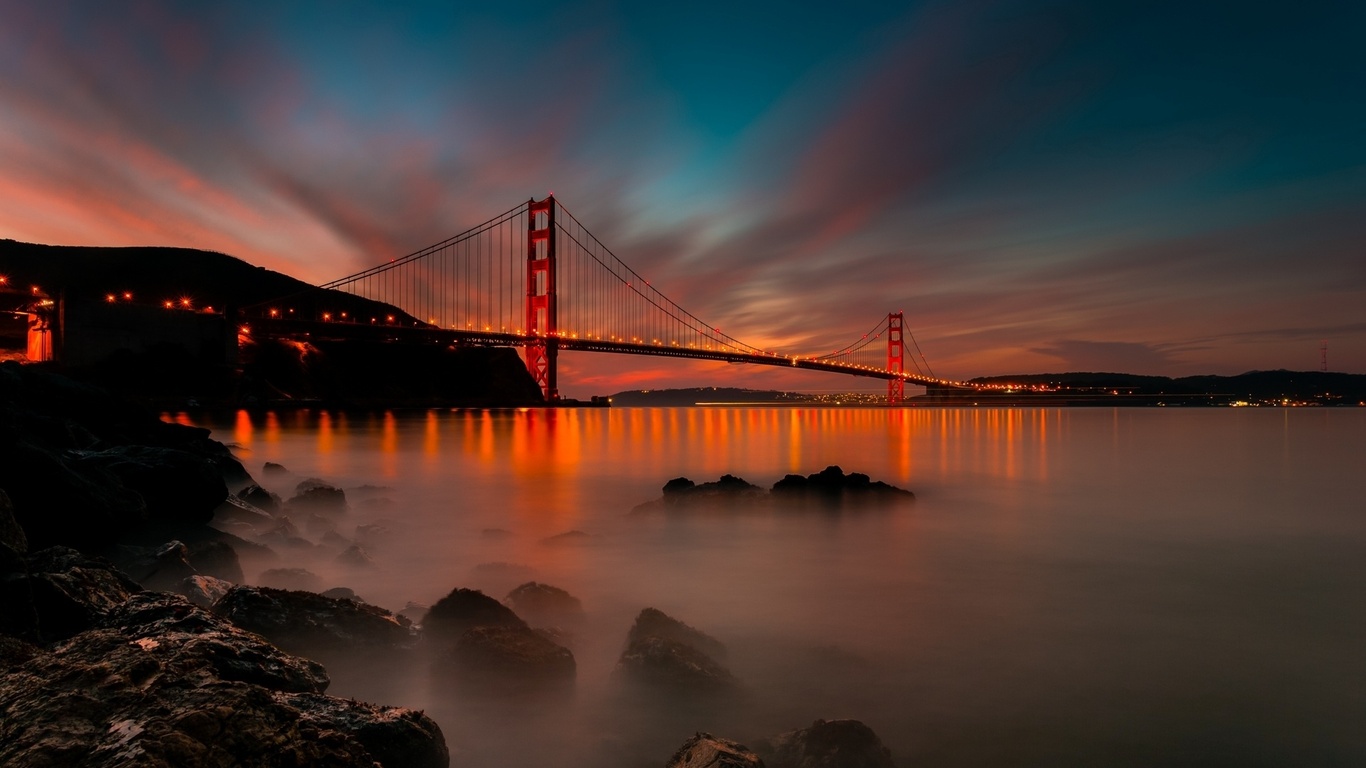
column 215, row 557
column 317, row 525
column 162, row 682
column 394, row 737
column 652, row 622
column 414, row 612
column 832, row 487
column 342, row 593
column 161, row 568
column 566, row 538
column 464, row 609
column 285, row 535
column 58, row 504
column 355, row 557
column 57, row 592
column 290, row 578
column 827, row 744
column 704, row 750
column 672, row 666
column 260, row 498
column 728, row 491
column 544, row 605
column 308, row 623
column 372, row 534
column 498, row 657
column 322, row 499
column 334, row 539
column 271, row 468
column 11, row 533
column 174, row 484
column 203, row 591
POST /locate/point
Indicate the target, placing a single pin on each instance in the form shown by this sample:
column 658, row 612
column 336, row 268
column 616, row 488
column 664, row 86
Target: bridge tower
column 896, row 360
column 542, row 346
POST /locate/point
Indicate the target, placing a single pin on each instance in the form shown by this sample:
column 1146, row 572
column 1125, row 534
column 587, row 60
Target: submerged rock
column 464, row 609
column 271, row 468
column 314, row 495
column 500, row 656
column 704, row 750
column 827, row 744
column 652, row 622
column 544, row 605
column 726, row 491
column 832, row 486
column 674, row 667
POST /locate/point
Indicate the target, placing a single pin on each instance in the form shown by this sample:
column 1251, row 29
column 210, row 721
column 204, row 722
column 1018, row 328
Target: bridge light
column 185, row 302
column 4, row 280
column 389, row 318
column 327, row 316
column 127, row 295
column 343, row 314
column 275, row 313
column 291, row 310
column 170, row 304
column 110, row 298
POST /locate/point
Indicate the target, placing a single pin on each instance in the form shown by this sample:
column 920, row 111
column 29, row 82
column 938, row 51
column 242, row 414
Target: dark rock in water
column 57, row 592
column 566, row 538
column 498, row 656
column 204, row 591
column 215, row 557
column 465, row 609
column 290, row 578
column 652, row 622
column 727, row 491
column 304, row 622
column 831, row 485
column 674, row 667
column 285, row 535
column 394, row 737
column 162, row 682
column 260, row 498
column 316, row 524
column 342, row 593
column 271, row 468
column 161, row 568
column 11, row 533
column 827, row 744
column 544, row 605
column 704, row 750
column 356, row 557
column 174, row 484
column 316, row 496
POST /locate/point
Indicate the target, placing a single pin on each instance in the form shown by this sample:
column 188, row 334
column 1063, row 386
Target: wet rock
column 162, row 682
column 285, row 535
column 11, row 533
column 394, row 737
column 414, row 612
column 833, row 487
column 674, row 667
column 271, row 468
column 290, row 578
column 58, row 504
column 651, row 622
column 304, row 622
column 314, row 495
column 161, row 568
column 544, row 605
column 57, row 592
column 464, row 609
column 255, row 495
column 203, row 591
column 827, row 744
column 215, row 557
column 342, row 593
column 704, row 750
column 729, row 490
column 355, row 556
column 174, row 484
column 497, row 657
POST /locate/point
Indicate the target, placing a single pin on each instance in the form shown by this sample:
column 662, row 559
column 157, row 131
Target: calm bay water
column 1072, row 587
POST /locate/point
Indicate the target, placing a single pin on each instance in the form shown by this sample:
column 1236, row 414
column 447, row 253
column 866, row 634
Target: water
column 1177, row 587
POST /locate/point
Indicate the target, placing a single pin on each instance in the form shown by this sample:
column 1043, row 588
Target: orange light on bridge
column 327, row 316
column 127, row 295
column 110, row 298
column 185, row 303
column 4, row 280
column 169, row 304
column 275, row 313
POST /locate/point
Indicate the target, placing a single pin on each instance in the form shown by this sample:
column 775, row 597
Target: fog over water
column 1072, row 587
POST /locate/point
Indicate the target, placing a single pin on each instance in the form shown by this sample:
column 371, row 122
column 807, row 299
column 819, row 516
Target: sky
column 1154, row 188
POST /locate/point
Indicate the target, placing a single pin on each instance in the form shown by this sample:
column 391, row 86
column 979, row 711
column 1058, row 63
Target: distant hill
column 1267, row 387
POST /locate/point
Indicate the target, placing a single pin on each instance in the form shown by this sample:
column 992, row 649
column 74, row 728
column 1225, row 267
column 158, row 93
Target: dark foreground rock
column 308, row 623
column 826, row 744
column 57, row 592
column 704, row 750
column 464, row 609
column 161, row 682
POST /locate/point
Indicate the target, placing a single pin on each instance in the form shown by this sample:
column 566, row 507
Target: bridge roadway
column 343, row 331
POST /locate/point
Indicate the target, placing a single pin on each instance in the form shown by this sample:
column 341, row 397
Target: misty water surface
column 1072, row 587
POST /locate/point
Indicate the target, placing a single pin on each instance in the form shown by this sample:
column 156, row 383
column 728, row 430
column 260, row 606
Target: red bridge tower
column 896, row 361
column 542, row 344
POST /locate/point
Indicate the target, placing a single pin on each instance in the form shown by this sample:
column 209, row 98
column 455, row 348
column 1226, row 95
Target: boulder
column 342, row 593
column 651, row 622
column 259, row 497
column 58, row 504
column 161, row 568
column 464, row 609
column 271, row 468
column 544, row 605
column 727, row 491
column 356, row 557
column 314, row 495
column 674, row 667
column 704, row 750
column 57, row 592
column 215, row 557
column 11, row 533
column 826, row 744
column 204, row 591
column 162, row 682
column 308, row 623
column 568, row 538
column 174, row 484
column 832, row 487
column 290, row 578
column 499, row 657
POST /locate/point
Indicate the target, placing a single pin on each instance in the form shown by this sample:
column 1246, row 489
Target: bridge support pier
column 542, row 347
column 896, row 359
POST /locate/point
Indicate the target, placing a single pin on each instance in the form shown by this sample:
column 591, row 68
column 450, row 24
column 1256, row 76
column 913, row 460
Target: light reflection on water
column 1118, row 587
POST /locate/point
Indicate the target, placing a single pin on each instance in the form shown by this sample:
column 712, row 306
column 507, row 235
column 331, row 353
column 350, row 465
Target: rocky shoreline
column 130, row 634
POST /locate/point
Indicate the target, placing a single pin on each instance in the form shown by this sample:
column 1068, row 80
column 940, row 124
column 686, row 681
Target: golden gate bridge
column 535, row 277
